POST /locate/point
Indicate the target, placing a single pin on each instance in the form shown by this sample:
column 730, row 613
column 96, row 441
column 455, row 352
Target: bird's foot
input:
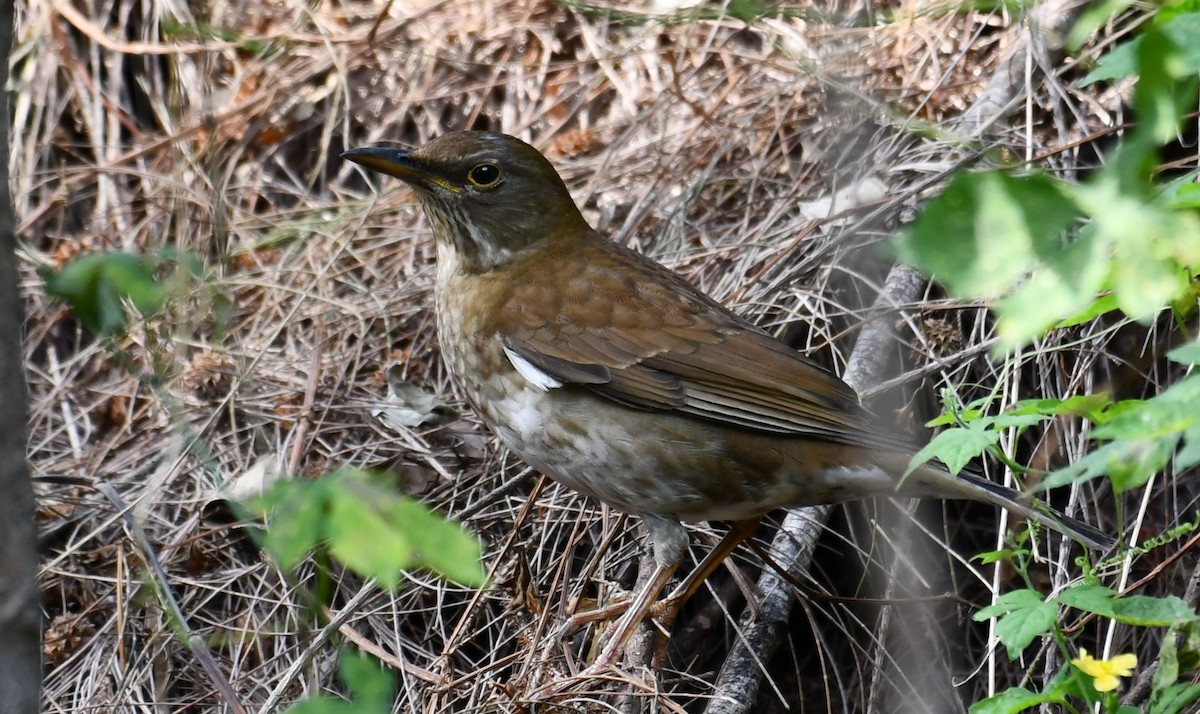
column 589, row 681
column 613, row 643
column 665, row 611
column 580, row 619
column 662, row 616
column 635, row 614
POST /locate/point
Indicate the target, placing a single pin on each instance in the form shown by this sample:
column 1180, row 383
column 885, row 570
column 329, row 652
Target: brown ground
column 215, row 129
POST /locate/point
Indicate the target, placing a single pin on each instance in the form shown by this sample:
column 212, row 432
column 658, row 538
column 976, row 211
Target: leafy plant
column 372, row 688
column 97, row 287
column 361, row 519
column 358, row 517
column 1130, row 243
column 1052, row 253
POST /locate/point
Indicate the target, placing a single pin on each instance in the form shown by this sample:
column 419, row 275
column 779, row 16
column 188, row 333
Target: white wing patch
column 532, row 374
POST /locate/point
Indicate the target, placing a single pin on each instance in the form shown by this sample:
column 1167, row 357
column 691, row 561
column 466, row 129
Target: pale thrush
column 613, row 375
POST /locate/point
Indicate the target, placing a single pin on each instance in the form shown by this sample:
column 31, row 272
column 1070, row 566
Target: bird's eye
column 484, row 176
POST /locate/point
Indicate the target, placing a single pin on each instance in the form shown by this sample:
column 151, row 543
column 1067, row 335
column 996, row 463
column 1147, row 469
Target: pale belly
column 609, row 452
column 644, row 462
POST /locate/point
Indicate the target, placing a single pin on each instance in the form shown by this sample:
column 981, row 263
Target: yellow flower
column 1104, row 672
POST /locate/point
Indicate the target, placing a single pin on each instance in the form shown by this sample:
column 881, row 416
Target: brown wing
column 627, row 328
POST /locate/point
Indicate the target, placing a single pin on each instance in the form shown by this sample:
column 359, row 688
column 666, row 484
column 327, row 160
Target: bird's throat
column 461, row 242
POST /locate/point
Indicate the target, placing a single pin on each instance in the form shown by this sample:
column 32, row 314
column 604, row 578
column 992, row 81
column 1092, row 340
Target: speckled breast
column 636, row 461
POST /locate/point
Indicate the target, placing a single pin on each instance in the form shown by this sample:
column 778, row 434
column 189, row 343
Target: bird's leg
column 738, row 532
column 666, row 610
column 603, row 612
column 670, row 541
column 634, row 616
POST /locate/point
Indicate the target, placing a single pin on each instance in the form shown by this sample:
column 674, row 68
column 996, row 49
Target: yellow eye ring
column 484, row 176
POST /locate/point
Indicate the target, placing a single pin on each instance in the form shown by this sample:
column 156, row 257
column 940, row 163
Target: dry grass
column 215, row 129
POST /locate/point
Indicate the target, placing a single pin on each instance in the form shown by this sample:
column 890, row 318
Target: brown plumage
column 613, row 375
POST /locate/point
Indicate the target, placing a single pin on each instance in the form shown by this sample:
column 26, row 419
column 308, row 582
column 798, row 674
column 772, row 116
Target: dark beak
column 393, row 162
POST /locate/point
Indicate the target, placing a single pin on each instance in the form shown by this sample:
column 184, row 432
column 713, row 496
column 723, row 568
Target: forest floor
column 768, row 157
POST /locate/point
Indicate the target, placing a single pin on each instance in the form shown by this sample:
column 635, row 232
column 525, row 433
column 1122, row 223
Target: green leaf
column 946, row 418
column 1141, row 243
column 297, row 520
column 363, row 538
column 1165, row 56
column 1023, row 616
column 1183, row 193
column 1152, row 419
column 995, row 224
column 1089, row 598
column 1144, row 434
column 1151, row 243
column 1021, row 627
column 995, row 556
column 368, row 525
column 96, row 286
column 1187, row 354
column 1091, row 19
column 1010, row 420
column 1170, row 9
column 1168, row 668
column 1189, row 454
column 956, row 447
column 1118, row 64
column 1008, row 602
column 322, row 705
column 1064, row 283
column 440, row 545
column 1090, row 406
column 1189, row 645
column 1137, row 461
column 400, row 533
column 1100, row 306
column 1147, row 611
column 372, row 688
column 1010, row 701
column 1017, row 699
column 1092, row 465
column 1143, row 281
column 1167, row 695
column 1175, row 698
column 1129, row 463
column 1182, row 30
column 954, row 413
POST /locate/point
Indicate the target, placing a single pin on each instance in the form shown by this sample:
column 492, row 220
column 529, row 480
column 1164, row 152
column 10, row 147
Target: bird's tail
column 937, row 481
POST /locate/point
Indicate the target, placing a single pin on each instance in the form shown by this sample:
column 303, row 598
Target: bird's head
column 490, row 197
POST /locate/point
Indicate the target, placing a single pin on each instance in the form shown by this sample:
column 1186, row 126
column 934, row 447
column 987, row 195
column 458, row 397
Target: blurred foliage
column 363, row 521
column 1052, row 253
column 373, row 690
